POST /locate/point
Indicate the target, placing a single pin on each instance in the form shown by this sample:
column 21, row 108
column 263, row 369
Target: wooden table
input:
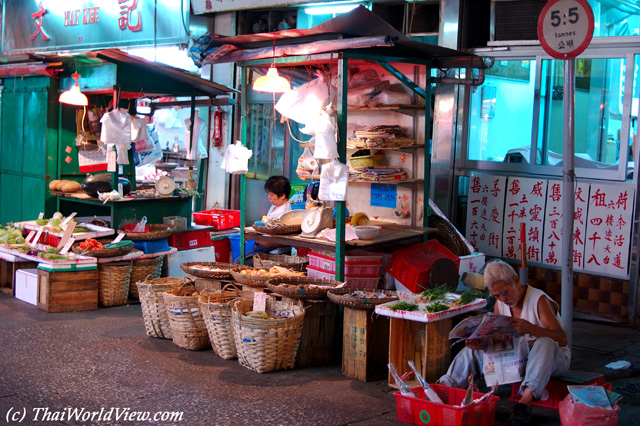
column 389, row 233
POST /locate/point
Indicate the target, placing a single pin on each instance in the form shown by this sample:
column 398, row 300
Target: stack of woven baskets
column 185, row 317
column 154, row 310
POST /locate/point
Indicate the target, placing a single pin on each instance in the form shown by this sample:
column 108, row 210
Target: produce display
column 11, row 235
column 274, row 271
column 91, row 244
column 55, row 223
column 65, row 186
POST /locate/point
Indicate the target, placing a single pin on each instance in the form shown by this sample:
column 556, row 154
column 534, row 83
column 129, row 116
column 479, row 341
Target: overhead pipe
column 468, row 81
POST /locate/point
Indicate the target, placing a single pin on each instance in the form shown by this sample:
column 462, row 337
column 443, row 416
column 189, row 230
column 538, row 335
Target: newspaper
column 504, row 351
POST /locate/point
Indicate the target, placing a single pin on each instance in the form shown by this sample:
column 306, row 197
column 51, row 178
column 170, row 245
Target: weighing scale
column 316, row 219
column 165, row 184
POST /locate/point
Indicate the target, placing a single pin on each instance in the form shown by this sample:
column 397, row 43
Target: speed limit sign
column 565, row 28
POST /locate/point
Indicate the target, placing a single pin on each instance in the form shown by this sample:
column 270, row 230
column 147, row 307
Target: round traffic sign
column 565, row 28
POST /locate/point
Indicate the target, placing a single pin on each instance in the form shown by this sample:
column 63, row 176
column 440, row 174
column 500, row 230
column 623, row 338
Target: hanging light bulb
column 74, row 96
column 272, row 82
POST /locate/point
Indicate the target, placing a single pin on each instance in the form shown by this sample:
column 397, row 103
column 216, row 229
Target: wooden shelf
column 393, row 182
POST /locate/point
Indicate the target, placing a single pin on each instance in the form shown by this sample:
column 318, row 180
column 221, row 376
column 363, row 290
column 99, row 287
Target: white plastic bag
column 236, row 159
column 198, row 149
column 324, row 129
column 148, row 157
column 303, row 103
column 116, row 129
column 334, row 180
column 306, row 164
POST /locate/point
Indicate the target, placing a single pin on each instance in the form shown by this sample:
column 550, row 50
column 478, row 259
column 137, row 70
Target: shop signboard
column 53, row 25
column 552, row 245
column 485, row 213
column 209, row 6
column 525, row 201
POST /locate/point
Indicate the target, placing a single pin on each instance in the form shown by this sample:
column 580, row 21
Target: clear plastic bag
column 140, row 226
column 305, row 102
column 334, row 179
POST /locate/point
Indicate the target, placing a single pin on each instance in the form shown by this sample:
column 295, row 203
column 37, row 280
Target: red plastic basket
column 219, row 219
column 190, row 239
column 412, row 265
column 420, row 411
column 557, row 387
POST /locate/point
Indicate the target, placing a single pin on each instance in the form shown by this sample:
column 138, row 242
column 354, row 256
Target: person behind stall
column 534, row 315
column 278, row 189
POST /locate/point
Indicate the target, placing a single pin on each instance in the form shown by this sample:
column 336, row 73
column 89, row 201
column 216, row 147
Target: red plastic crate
column 219, row 219
column 420, row 411
column 356, row 263
column 412, row 265
column 557, row 387
column 190, row 239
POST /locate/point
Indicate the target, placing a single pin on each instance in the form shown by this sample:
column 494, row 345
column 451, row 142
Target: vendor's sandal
column 520, row 415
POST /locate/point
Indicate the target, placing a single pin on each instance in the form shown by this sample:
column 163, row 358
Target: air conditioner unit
column 515, row 20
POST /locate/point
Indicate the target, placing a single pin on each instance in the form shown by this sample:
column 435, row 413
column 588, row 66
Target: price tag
column 118, row 238
column 67, row 246
column 565, row 28
column 29, row 237
column 111, row 158
column 37, row 237
column 259, row 301
column 67, row 220
column 41, row 215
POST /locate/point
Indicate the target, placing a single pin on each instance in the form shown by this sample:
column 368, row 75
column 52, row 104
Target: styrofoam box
column 471, row 263
column 26, row 285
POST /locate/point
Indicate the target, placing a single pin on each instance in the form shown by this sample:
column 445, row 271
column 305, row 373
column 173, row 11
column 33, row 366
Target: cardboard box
column 26, row 285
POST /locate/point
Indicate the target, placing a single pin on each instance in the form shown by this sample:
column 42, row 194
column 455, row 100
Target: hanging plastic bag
column 324, row 129
column 148, row 157
column 198, row 149
column 334, row 179
column 116, row 129
column 304, row 103
column 140, row 226
column 306, row 164
column 140, row 135
column 575, row 414
column 236, row 159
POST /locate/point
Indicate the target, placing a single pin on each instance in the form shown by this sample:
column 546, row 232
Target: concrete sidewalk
column 103, row 360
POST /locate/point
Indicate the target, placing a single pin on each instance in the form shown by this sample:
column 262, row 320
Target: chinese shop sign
column 46, row 25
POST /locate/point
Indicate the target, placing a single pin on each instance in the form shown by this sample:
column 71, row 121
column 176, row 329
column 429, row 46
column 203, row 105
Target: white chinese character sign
column 552, row 244
column 485, row 213
column 608, row 234
column 525, row 202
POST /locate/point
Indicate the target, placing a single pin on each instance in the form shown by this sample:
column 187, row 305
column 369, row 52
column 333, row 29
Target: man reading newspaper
column 532, row 314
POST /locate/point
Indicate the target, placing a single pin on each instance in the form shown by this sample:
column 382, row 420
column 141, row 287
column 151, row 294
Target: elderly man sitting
column 534, row 315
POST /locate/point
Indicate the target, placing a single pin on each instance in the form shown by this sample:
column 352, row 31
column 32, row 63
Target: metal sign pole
column 568, row 198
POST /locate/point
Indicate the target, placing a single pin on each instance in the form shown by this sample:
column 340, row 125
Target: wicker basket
column 142, row 268
column 157, row 231
column 216, row 309
column 341, row 296
column 250, row 280
column 266, row 345
column 447, row 236
column 278, row 230
column 203, row 269
column 154, row 311
column 112, row 252
column 302, row 287
column 266, row 261
column 185, row 318
column 113, row 283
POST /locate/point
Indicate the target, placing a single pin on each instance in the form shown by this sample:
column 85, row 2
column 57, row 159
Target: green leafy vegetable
column 436, row 293
column 404, row 306
column 436, row 307
column 468, row 296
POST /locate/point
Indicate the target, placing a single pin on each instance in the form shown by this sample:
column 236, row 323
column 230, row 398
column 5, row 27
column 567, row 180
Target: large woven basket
column 345, row 297
column 216, row 309
column 113, row 283
column 266, row 345
column 266, row 261
column 185, row 318
column 209, row 270
column 302, row 287
column 140, row 270
column 254, row 281
column 157, row 231
column 278, row 230
column 154, row 312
